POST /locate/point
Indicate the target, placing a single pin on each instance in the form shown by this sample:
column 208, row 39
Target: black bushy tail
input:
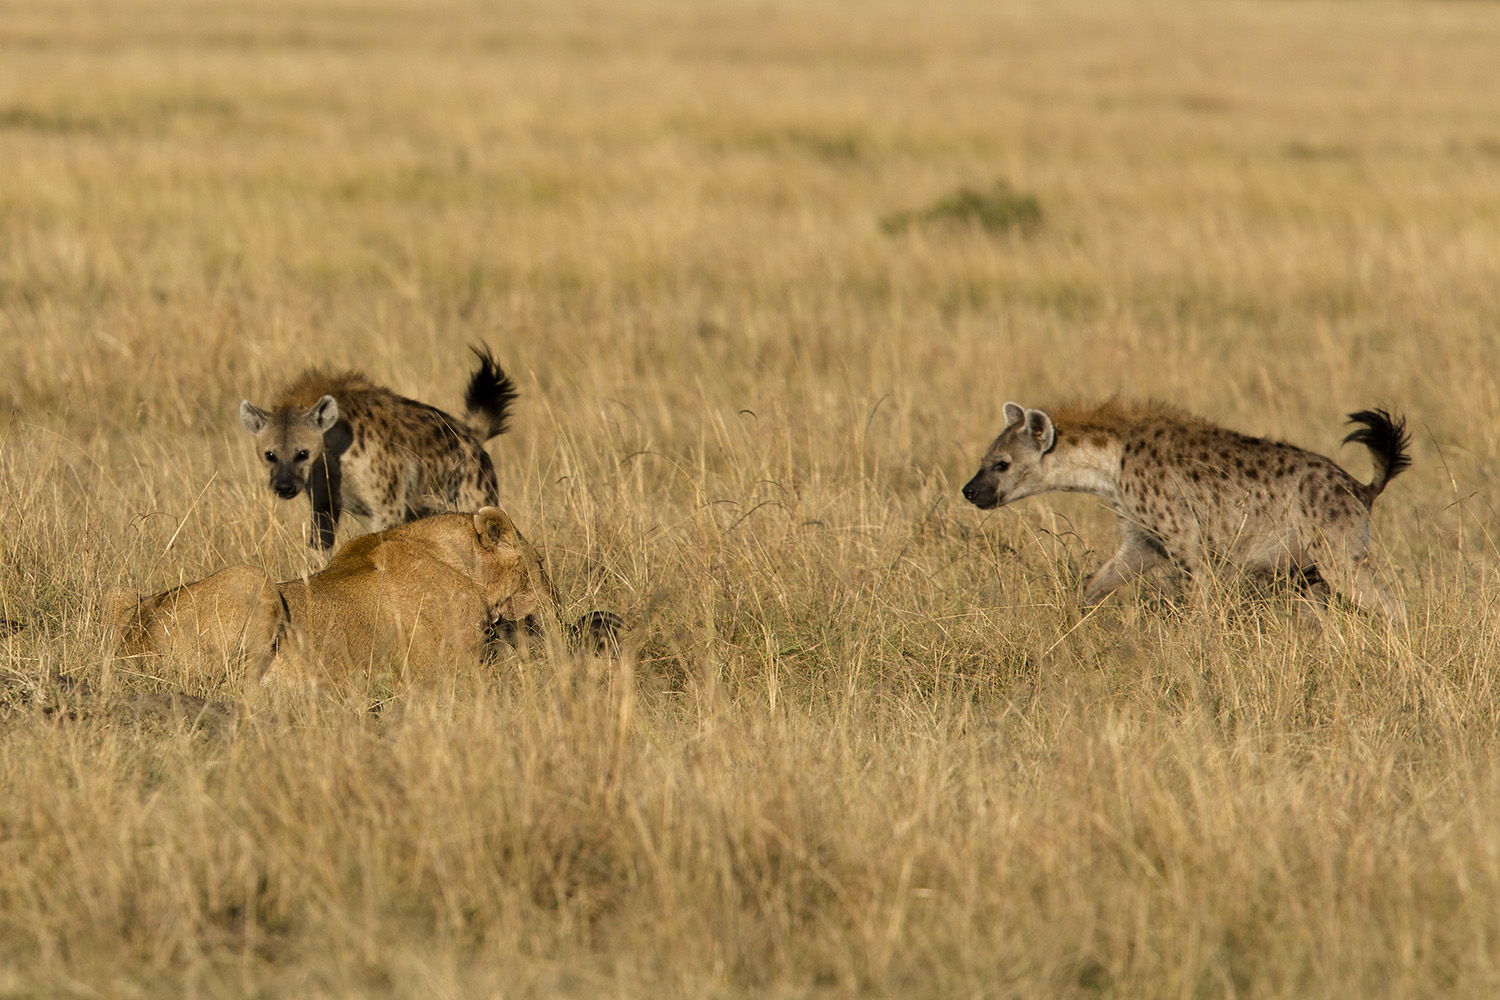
column 1387, row 440
column 491, row 392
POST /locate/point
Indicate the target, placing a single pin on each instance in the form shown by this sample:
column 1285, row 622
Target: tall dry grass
column 862, row 740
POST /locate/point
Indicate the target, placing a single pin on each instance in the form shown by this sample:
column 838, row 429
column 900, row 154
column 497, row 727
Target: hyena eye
column 1001, row 465
column 270, row 456
column 302, row 455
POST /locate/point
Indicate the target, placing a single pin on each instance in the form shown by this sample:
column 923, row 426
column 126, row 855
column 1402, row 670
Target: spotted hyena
column 354, row 446
column 1196, row 494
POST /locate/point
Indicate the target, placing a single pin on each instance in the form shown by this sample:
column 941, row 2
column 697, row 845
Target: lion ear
column 495, row 529
column 252, row 416
column 323, row 414
column 1014, row 414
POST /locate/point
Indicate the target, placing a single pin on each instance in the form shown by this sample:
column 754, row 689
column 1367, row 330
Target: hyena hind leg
column 1137, row 553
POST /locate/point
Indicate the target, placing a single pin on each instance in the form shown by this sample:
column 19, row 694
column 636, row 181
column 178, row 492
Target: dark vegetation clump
column 999, row 209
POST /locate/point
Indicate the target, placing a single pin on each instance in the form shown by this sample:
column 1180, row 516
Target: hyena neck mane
column 1091, row 437
column 1119, row 418
column 315, row 383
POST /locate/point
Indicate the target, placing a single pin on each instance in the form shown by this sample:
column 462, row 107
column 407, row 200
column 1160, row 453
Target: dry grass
column 863, row 742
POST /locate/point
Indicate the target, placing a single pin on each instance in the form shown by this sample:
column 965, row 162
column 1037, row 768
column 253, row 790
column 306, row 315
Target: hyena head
column 1012, row 468
column 290, row 440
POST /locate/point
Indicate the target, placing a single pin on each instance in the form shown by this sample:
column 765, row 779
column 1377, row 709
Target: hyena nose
column 980, row 494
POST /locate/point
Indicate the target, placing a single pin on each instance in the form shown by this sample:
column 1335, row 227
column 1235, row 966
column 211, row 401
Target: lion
column 414, row 597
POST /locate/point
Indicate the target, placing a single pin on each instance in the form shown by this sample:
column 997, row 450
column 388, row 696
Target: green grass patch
column 1000, row 208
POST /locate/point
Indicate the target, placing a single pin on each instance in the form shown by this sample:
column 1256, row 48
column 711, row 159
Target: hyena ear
column 323, row 414
column 1014, row 414
column 495, row 529
column 1039, row 426
column 252, row 416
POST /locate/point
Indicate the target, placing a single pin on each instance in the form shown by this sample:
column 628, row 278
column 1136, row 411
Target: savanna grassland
column 861, row 739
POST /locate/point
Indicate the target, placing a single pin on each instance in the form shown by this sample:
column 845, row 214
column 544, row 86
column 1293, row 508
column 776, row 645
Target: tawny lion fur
column 412, row 598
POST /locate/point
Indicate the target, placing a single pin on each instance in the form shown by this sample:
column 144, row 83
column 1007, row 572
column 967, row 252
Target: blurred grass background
column 863, row 743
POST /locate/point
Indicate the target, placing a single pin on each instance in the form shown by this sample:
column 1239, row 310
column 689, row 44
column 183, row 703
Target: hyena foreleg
column 1139, row 551
column 323, row 490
